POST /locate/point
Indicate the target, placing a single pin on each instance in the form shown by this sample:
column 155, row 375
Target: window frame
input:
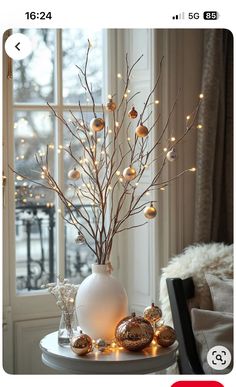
column 32, row 304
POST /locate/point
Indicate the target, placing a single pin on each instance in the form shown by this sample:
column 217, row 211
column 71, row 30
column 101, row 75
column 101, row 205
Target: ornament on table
column 101, row 345
column 165, row 335
column 81, row 344
column 134, row 333
column 111, row 105
column 141, row 131
column 150, row 211
column 129, row 173
column 152, row 313
column 133, row 113
column 97, row 124
column 80, row 239
column 171, row 155
column 74, row 174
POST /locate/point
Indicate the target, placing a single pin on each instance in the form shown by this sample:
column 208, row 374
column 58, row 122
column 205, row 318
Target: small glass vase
column 68, row 327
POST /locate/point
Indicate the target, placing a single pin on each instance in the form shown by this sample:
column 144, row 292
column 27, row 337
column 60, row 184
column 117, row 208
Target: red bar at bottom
column 195, row 383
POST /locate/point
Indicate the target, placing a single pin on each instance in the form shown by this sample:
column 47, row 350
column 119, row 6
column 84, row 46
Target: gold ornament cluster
column 133, row 333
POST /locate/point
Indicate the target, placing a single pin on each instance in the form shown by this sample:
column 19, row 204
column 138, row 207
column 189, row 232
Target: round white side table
column 115, row 361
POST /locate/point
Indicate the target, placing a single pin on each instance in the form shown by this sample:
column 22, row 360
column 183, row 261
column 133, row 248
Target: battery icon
column 210, row 15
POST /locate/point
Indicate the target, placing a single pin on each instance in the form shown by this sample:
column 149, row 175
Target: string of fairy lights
column 29, row 193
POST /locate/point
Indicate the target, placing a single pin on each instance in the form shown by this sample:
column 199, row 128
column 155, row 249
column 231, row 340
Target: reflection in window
column 75, row 44
column 35, row 211
column 34, row 75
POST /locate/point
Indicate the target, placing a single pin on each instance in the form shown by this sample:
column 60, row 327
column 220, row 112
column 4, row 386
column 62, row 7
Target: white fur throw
column 196, row 261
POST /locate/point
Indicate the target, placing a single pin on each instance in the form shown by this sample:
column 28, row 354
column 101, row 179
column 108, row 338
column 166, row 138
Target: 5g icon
column 193, row 15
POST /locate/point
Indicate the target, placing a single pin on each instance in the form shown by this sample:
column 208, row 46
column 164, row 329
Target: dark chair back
column 179, row 292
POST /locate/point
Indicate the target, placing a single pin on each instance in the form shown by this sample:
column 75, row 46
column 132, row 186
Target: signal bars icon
column 179, row 16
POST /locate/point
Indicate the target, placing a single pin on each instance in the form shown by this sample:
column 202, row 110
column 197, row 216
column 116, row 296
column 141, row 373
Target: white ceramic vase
column 101, row 302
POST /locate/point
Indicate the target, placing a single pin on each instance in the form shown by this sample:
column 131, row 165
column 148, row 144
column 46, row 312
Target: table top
column 114, row 361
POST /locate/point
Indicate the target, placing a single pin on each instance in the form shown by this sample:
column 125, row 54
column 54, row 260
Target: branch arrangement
column 110, row 161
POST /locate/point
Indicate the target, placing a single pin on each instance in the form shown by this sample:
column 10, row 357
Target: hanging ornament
column 111, row 105
column 80, row 239
column 152, row 313
column 133, row 113
column 165, row 336
column 81, row 344
column 97, row 124
column 141, row 131
column 101, row 345
column 129, row 173
column 150, row 212
column 134, row 333
column 74, row 174
column 171, row 155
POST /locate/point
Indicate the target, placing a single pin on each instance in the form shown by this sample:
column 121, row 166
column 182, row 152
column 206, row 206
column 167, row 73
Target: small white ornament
column 80, row 240
column 171, row 155
column 101, row 345
column 74, row 174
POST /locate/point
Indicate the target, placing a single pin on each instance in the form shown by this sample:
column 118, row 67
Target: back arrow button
column 18, row 46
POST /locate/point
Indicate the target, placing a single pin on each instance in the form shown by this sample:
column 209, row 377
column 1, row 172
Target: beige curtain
column 214, row 179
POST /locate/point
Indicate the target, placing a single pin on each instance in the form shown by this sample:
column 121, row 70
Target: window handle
column 9, row 68
column 8, row 59
column 4, row 183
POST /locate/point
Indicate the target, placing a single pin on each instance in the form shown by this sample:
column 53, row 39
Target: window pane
column 34, row 76
column 34, row 205
column 78, row 257
column 75, row 43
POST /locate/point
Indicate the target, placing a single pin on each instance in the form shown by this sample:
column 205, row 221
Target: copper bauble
column 152, row 313
column 171, row 155
column 74, row 174
column 134, row 333
column 141, row 131
column 129, row 173
column 97, row 124
column 133, row 113
column 111, row 105
column 165, row 336
column 81, row 344
column 150, row 212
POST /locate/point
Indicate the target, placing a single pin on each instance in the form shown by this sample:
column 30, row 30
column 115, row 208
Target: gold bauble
column 129, row 173
column 134, row 333
column 171, row 155
column 81, row 344
column 150, row 212
column 141, row 131
column 133, row 113
column 165, row 336
column 74, row 174
column 111, row 105
column 152, row 313
column 97, row 124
